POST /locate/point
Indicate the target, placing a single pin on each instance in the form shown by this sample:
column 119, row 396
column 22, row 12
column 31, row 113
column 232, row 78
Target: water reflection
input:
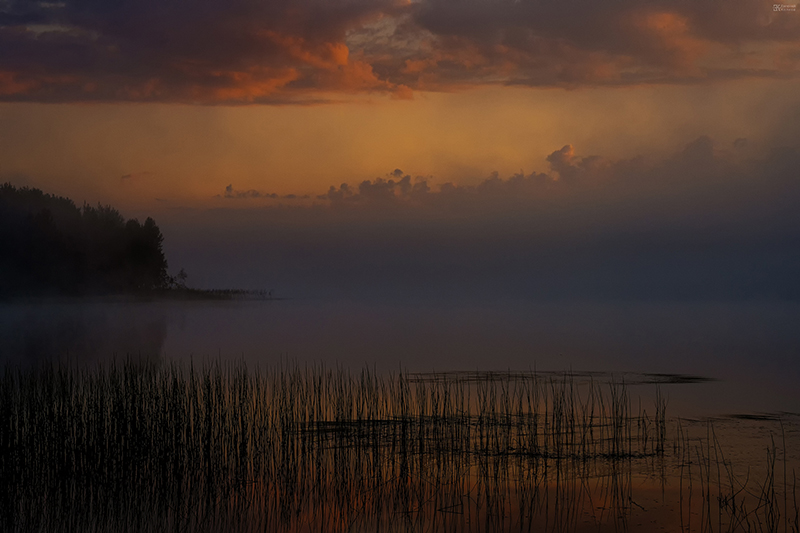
column 81, row 332
column 751, row 349
column 137, row 447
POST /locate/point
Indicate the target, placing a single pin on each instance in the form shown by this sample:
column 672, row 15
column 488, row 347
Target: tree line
column 48, row 245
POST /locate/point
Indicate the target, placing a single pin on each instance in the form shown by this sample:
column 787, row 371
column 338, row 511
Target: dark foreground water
column 693, row 426
column 134, row 446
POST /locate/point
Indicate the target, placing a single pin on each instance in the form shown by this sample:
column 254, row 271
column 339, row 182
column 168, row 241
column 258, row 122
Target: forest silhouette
column 51, row 246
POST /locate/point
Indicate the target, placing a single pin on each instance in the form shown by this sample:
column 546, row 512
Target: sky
column 527, row 148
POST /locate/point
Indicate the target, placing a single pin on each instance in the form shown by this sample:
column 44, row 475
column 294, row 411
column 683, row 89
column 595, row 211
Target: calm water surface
column 729, row 372
column 750, row 351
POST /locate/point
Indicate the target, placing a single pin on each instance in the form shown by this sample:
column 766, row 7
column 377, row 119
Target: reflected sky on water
column 749, row 349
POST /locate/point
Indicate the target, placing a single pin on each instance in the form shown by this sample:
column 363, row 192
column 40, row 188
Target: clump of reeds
column 144, row 447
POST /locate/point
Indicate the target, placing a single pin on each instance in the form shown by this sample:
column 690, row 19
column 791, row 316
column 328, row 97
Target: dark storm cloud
column 281, row 51
column 584, row 42
column 174, row 50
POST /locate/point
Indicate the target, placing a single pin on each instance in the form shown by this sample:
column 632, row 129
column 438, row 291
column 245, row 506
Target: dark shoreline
column 148, row 296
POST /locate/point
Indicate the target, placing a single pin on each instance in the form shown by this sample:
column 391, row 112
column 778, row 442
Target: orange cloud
column 238, row 51
column 247, row 86
column 325, row 55
column 403, row 92
column 667, row 38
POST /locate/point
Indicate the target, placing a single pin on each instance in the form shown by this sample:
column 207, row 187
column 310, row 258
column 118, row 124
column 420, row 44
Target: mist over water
column 601, row 300
column 748, row 349
column 505, row 266
column 80, row 331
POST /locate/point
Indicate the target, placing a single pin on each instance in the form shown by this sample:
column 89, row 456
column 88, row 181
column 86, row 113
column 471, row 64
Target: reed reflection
column 145, row 447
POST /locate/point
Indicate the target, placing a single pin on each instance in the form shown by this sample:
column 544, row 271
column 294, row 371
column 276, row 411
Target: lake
column 749, row 350
column 303, row 415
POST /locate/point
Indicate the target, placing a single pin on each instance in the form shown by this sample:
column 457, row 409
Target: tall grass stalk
column 138, row 447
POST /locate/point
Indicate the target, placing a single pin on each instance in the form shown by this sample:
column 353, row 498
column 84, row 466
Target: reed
column 141, row 447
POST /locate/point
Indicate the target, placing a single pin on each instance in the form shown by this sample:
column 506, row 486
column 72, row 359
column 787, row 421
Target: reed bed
column 138, row 447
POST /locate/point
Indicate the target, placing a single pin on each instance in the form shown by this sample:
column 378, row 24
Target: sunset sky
column 236, row 123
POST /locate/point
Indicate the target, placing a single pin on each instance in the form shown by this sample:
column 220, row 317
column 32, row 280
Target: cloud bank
column 305, row 51
column 703, row 179
column 709, row 222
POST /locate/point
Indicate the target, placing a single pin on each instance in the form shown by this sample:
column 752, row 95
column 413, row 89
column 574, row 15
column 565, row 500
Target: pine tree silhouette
column 49, row 245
